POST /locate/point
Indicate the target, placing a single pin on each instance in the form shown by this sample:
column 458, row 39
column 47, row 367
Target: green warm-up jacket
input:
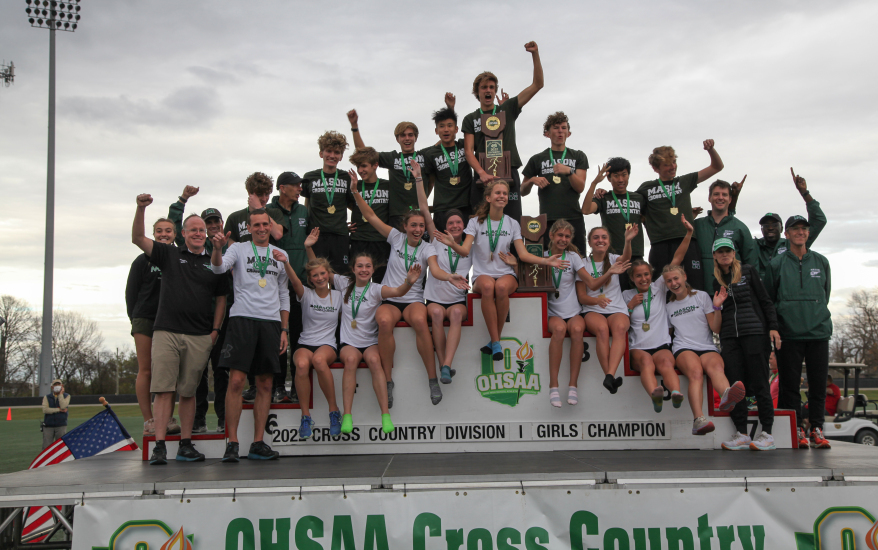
column 800, row 291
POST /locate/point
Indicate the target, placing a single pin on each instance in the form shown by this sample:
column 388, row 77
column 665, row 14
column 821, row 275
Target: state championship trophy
column 534, row 278
column 494, row 160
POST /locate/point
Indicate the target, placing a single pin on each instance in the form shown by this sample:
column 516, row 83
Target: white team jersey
column 396, row 270
column 252, row 300
column 687, row 317
column 658, row 334
column 319, row 318
column 366, row 333
column 566, row 305
column 481, row 249
column 443, row 291
column 611, row 288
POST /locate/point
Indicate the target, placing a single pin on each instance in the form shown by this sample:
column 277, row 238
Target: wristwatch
column 286, row 330
column 216, row 330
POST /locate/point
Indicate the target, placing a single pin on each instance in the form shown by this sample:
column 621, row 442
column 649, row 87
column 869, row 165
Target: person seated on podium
column 605, row 312
column 833, row 394
column 649, row 339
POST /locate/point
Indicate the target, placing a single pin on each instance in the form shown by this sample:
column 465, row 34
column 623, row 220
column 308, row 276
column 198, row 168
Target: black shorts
column 697, row 352
column 361, row 350
column 661, row 254
column 399, row 306
column 606, row 315
column 313, row 349
column 440, row 217
column 335, row 249
column 446, row 306
column 251, row 346
column 653, row 351
column 380, row 251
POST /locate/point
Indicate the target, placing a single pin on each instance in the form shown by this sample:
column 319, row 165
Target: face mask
column 56, row 389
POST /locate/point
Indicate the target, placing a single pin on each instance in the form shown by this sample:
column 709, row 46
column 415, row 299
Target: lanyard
column 494, row 112
column 668, row 195
column 374, row 191
column 329, row 195
column 257, row 261
column 557, row 272
column 406, row 257
column 627, row 214
column 647, row 305
column 594, row 270
column 355, row 304
column 453, row 263
column 404, row 169
column 494, row 236
column 452, row 167
column 551, row 156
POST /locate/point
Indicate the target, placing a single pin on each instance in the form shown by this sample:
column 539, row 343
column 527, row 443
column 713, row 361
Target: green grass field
column 23, row 441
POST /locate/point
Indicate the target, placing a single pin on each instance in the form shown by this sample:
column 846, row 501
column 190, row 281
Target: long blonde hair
column 679, row 268
column 564, row 224
column 607, row 255
column 314, row 264
column 484, row 207
column 734, row 271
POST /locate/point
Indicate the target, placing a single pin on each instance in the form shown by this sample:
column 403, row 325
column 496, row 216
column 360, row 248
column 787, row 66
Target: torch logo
column 148, row 534
column 842, row 528
column 508, row 381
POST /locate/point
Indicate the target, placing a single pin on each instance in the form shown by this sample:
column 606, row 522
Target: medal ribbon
column 452, row 167
column 355, row 304
column 494, row 112
column 404, row 169
column 494, row 237
column 551, row 156
column 647, row 305
column 329, row 196
column 594, row 270
column 668, row 195
column 374, row 190
column 557, row 272
column 453, row 263
column 627, row 214
column 406, row 257
column 257, row 261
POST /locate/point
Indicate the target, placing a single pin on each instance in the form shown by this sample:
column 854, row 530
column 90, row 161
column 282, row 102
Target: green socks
column 386, row 423
column 347, row 424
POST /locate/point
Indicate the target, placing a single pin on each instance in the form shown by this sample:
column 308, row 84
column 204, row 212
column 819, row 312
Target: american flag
column 102, row 434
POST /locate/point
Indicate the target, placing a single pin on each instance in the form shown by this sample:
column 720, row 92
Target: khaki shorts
column 178, row 361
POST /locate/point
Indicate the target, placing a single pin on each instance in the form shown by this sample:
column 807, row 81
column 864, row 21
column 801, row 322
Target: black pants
column 661, row 254
column 789, row 369
column 578, row 224
column 280, row 379
column 746, row 360
column 334, row 248
column 220, row 382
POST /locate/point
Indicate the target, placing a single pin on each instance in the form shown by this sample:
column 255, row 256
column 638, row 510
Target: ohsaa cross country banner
column 575, row 518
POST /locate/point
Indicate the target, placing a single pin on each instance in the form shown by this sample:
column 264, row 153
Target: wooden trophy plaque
column 534, row 278
column 494, row 160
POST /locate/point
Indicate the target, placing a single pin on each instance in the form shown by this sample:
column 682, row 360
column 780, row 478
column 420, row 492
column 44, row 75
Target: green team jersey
column 660, row 223
column 403, row 195
column 613, row 217
column 295, row 224
column 436, row 164
column 472, row 124
column 317, row 187
column 557, row 200
column 380, row 204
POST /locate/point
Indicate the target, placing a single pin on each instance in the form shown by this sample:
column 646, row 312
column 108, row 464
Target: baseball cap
column 771, row 216
column 211, row 213
column 723, row 243
column 288, row 178
column 57, row 381
column 794, row 220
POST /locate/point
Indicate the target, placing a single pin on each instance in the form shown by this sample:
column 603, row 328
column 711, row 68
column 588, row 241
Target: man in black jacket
column 55, row 413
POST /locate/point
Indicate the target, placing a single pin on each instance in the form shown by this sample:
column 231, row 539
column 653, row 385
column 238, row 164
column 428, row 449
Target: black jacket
column 142, row 290
column 748, row 308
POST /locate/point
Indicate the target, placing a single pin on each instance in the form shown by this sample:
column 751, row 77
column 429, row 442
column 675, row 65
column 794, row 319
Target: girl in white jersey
column 317, row 345
column 604, row 310
column 490, row 236
column 444, row 300
column 406, row 249
column 649, row 338
column 694, row 318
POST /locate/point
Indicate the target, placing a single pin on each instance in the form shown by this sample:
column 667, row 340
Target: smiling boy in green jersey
column 326, row 196
column 485, row 90
column 559, row 172
column 403, row 196
column 376, row 193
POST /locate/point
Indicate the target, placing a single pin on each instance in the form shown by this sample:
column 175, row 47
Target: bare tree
column 76, row 349
column 17, row 336
column 856, row 335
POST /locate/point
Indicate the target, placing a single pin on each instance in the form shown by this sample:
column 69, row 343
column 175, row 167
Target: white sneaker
column 702, row 426
column 149, row 427
column 763, row 443
column 738, row 443
column 173, row 426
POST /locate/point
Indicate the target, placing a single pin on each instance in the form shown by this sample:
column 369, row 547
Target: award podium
column 534, row 278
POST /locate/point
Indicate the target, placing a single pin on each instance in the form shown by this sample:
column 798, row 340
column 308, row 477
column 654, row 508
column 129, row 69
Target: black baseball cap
column 771, row 216
column 795, row 220
column 288, row 178
column 211, row 213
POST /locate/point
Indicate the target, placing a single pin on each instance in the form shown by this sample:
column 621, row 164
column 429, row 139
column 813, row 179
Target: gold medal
column 408, row 186
column 628, row 226
column 454, row 180
column 331, row 209
column 354, row 323
column 556, row 179
column 602, row 296
column 674, row 211
column 262, row 283
column 364, row 219
column 645, row 327
column 492, row 256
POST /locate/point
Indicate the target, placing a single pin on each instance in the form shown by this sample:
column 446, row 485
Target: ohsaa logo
column 505, row 382
column 147, row 534
column 842, row 528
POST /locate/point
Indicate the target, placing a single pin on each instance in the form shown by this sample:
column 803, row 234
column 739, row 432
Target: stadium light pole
column 61, row 16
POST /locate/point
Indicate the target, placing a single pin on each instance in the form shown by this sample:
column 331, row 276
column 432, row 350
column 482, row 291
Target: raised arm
column 734, row 193
column 310, row 241
column 461, row 249
column 295, row 282
column 716, row 163
column 526, row 94
column 354, row 119
column 816, row 217
column 410, row 279
column 588, row 204
column 422, row 196
column 715, row 317
column 138, row 235
column 365, row 209
column 630, row 233
column 177, row 209
column 218, row 262
column 680, row 254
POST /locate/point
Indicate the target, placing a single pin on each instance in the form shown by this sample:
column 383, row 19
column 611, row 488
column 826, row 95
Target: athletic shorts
column 606, row 315
column 313, row 349
column 141, row 325
column 446, row 306
column 653, row 351
column 698, row 352
column 361, row 350
column 178, row 361
column 399, row 306
column 252, row 346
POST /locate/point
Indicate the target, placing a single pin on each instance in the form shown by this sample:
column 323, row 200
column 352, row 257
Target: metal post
column 49, row 265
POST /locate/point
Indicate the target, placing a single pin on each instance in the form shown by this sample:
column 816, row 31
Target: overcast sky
column 155, row 95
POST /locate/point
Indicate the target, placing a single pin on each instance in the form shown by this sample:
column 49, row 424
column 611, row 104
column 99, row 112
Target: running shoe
column 802, row 439
column 149, row 427
column 221, row 426
column 334, row 423
column 446, row 374
column 173, row 426
column 702, row 426
column 657, row 394
column 199, row 427
column 231, row 454
column 187, row 453
column 159, row 456
column 555, row 397
column 817, row 439
column 278, row 396
column 497, row 350
column 259, row 450
column 765, row 442
column 305, row 427
column 731, row 396
column 347, row 423
column 435, row 391
column 738, row 443
column 676, row 399
column 249, row 395
column 572, row 396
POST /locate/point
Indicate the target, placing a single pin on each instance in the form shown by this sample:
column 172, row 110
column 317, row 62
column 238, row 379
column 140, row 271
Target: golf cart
column 854, row 420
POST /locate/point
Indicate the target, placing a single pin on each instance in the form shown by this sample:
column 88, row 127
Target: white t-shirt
column 687, row 317
column 566, row 305
column 366, row 333
column 658, row 334
column 443, row 291
column 319, row 318
column 252, row 300
column 481, row 249
column 611, row 288
column 397, row 271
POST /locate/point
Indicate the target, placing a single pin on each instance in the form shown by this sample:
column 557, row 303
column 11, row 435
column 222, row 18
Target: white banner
column 774, row 517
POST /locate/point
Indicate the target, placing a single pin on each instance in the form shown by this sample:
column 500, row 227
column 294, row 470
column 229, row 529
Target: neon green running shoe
column 347, row 424
column 386, row 423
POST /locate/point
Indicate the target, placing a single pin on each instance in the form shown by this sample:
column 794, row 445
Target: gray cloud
column 190, row 106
